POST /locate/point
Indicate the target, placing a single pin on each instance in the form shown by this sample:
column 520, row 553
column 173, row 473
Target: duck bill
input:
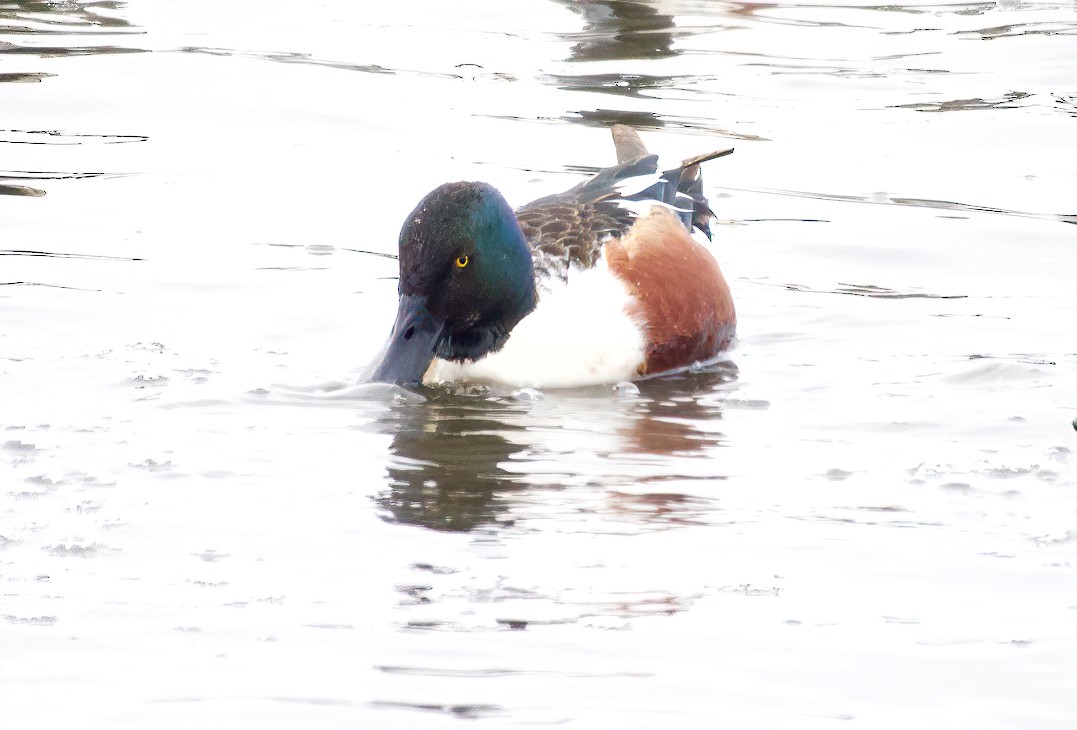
column 410, row 348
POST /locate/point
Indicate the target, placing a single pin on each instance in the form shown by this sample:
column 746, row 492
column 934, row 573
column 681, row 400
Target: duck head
column 466, row 279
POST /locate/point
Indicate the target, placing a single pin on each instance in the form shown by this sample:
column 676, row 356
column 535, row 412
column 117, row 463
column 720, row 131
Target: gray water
column 866, row 517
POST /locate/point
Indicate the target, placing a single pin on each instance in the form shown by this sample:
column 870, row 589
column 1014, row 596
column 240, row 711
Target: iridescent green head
column 466, row 279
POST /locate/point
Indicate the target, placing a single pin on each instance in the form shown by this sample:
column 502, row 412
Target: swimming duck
column 599, row 284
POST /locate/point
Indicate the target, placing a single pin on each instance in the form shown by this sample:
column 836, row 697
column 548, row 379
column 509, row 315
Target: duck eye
column 462, row 261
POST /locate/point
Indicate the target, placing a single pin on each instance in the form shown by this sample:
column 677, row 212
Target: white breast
column 579, row 334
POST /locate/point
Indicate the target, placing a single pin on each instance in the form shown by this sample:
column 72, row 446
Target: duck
column 601, row 284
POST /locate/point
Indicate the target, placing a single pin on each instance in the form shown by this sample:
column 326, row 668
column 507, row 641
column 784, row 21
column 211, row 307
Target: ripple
column 59, row 137
column 310, row 60
column 316, row 701
column 1020, row 29
column 74, row 550
column 21, row 190
column 1006, row 101
column 462, row 711
column 23, row 78
column 604, row 118
column 64, row 51
column 413, row 671
column 31, row 620
column 61, row 255
column 886, row 199
column 868, row 290
column 47, row 17
column 881, row 292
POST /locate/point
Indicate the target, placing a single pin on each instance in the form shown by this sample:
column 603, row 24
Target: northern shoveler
column 599, row 284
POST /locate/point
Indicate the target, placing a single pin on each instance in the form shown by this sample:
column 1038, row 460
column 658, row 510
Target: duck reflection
column 447, row 451
column 671, row 416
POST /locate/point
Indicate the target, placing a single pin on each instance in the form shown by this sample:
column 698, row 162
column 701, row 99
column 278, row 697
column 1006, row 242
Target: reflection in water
column 620, row 30
column 36, row 18
column 1066, row 103
column 6, row 188
column 649, row 120
column 885, row 199
column 1006, row 101
column 1019, row 29
column 618, row 84
column 63, row 51
column 668, row 421
column 449, row 452
column 23, row 190
column 616, row 31
column 47, row 17
column 307, row 59
column 446, row 471
column 22, row 78
column 10, row 179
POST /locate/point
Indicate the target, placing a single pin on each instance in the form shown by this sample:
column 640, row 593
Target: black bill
column 410, row 348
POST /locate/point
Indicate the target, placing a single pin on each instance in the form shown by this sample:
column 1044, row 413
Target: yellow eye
column 462, row 261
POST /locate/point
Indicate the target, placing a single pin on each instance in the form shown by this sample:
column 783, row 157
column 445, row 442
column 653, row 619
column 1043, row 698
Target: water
column 866, row 516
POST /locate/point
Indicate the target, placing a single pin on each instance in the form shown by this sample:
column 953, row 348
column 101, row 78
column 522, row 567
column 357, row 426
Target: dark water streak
column 910, row 202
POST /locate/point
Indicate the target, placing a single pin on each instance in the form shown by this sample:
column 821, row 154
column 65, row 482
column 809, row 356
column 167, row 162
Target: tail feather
column 681, row 187
column 688, row 180
column 705, row 157
column 628, row 144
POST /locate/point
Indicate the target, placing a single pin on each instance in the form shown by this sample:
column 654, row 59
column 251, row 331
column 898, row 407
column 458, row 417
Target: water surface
column 865, row 515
